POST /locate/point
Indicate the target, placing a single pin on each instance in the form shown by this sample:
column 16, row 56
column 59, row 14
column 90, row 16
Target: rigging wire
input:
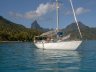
column 75, row 18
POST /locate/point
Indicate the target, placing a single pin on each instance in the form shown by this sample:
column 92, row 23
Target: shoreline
column 14, row 41
column 10, row 41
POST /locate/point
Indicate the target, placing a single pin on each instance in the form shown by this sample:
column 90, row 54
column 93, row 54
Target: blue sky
column 26, row 11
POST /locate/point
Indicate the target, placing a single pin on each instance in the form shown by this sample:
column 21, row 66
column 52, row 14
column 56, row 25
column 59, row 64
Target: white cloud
column 81, row 10
column 41, row 10
column 78, row 11
column 44, row 8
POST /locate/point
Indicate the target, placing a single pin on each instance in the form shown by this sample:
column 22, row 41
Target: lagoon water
column 25, row 57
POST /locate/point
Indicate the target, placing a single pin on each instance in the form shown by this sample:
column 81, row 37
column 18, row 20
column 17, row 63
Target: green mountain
column 6, row 25
column 87, row 32
column 10, row 31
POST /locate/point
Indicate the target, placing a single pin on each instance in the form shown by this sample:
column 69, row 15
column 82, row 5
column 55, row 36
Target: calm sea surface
column 25, row 57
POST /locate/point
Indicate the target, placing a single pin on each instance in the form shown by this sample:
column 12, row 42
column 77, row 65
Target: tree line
column 27, row 35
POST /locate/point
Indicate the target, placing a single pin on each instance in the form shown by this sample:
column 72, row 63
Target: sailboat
column 46, row 41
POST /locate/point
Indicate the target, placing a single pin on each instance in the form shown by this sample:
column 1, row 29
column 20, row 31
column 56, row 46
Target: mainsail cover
column 66, row 37
column 49, row 33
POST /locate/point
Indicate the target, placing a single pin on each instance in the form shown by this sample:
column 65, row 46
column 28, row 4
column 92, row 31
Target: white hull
column 66, row 45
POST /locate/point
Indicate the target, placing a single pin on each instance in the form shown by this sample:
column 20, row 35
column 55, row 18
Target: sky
column 44, row 11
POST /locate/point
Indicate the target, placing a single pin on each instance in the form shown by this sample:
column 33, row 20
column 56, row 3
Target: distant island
column 10, row 31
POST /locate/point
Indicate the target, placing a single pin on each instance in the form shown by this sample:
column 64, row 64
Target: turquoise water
column 25, row 57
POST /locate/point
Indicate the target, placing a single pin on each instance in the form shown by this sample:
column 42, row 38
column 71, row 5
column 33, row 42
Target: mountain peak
column 74, row 26
column 74, row 23
column 35, row 22
column 35, row 25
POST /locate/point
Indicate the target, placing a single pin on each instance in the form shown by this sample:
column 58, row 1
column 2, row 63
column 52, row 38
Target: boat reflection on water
column 57, row 60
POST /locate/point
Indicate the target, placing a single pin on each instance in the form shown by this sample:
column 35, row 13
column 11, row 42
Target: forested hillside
column 10, row 31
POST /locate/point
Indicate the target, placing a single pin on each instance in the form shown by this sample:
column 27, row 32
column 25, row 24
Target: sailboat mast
column 75, row 18
column 57, row 12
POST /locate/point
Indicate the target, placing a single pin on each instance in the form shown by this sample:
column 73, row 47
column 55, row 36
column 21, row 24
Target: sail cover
column 66, row 37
